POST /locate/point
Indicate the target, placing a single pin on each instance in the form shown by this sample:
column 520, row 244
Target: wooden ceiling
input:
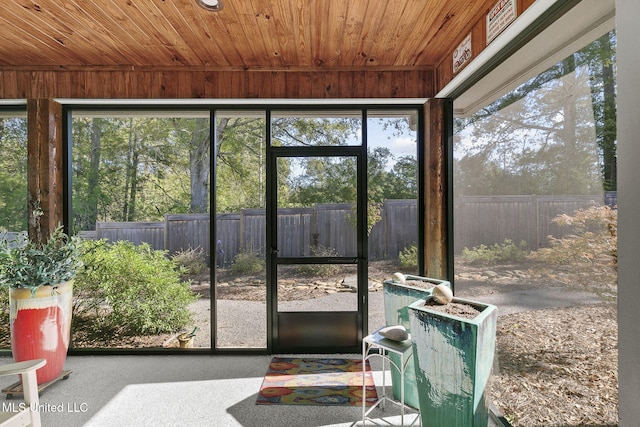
column 290, row 35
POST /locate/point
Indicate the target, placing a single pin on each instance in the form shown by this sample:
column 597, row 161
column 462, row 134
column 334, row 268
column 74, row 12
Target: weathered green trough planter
column 453, row 358
column 397, row 298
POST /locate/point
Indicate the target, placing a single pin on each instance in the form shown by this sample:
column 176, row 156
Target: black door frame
column 344, row 328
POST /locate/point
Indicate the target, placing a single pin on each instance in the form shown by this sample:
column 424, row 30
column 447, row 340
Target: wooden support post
column 436, row 191
column 44, row 168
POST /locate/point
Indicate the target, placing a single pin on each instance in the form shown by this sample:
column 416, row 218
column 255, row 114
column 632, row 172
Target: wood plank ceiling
column 286, row 35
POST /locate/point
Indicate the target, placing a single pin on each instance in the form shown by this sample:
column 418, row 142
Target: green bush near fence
column 322, row 270
column 131, row 290
column 592, row 237
column 247, row 262
column 496, row 253
column 408, row 257
column 191, row 260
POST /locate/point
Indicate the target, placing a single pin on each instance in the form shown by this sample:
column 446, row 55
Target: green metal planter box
column 453, row 359
column 397, row 298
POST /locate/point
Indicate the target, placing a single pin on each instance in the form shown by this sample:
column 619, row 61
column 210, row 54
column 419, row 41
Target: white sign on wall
column 499, row 17
column 462, row 54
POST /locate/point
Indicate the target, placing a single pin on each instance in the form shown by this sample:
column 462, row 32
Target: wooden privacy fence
column 321, row 230
column 492, row 219
column 328, row 230
column 176, row 233
column 301, row 232
column 13, row 237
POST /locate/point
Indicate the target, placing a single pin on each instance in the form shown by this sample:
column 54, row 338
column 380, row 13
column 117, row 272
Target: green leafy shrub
column 408, row 257
column 131, row 289
column 319, row 269
column 374, row 215
column 496, row 253
column 248, row 262
column 191, row 260
column 593, row 236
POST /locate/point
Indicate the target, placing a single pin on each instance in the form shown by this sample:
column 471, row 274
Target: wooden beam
column 44, row 167
column 97, row 83
column 436, row 215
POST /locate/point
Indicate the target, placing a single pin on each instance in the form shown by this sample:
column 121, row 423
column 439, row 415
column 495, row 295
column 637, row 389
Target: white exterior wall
column 628, row 63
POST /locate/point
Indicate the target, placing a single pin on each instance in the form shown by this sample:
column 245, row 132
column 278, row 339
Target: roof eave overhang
column 544, row 34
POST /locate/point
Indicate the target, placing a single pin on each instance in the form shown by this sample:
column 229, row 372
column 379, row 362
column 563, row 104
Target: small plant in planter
column 28, row 265
column 39, row 279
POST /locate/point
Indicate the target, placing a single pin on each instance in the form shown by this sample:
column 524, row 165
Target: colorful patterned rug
column 307, row 381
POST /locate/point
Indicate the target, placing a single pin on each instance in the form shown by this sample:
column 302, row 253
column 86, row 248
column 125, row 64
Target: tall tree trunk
column 94, row 176
column 131, row 215
column 200, row 166
column 220, row 128
column 571, row 181
column 603, row 99
column 610, row 169
column 128, row 171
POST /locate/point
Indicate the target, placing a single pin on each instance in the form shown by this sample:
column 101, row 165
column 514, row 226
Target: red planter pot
column 41, row 327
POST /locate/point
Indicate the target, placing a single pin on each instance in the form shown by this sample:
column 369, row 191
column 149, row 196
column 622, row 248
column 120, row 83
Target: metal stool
column 385, row 347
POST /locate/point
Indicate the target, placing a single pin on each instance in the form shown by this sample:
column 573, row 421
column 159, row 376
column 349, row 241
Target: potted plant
column 39, row 278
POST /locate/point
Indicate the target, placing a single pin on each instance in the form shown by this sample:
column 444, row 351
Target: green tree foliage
column 333, row 179
column 324, row 180
column 140, row 168
column 13, row 174
column 240, row 163
column 316, row 179
column 392, row 176
column 315, row 132
column 304, row 182
column 400, row 181
column 134, row 169
column 542, row 138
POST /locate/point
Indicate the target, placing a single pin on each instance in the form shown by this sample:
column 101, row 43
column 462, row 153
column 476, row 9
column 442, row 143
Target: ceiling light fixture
column 213, row 5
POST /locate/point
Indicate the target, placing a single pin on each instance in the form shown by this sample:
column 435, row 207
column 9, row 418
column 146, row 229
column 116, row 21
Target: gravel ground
column 249, row 317
column 556, row 342
column 556, row 361
column 243, row 323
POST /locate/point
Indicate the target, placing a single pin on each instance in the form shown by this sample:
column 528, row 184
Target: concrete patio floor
column 175, row 390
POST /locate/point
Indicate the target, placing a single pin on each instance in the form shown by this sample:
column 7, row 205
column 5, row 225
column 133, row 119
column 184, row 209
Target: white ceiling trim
column 11, row 102
column 264, row 102
column 588, row 20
